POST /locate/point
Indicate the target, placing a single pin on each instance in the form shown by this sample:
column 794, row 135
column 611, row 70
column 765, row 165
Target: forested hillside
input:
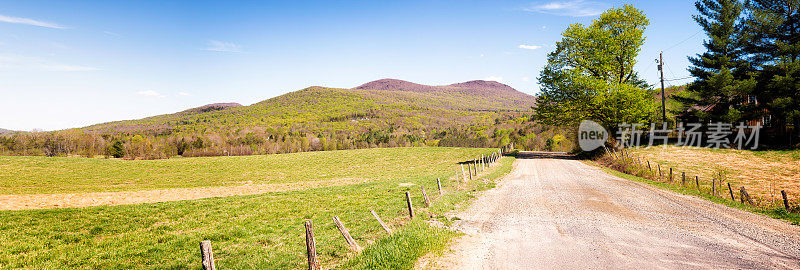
column 383, row 113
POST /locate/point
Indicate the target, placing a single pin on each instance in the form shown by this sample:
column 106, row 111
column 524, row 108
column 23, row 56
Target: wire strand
column 681, row 42
column 678, row 79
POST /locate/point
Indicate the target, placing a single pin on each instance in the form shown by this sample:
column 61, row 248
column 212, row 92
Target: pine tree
column 773, row 28
column 722, row 71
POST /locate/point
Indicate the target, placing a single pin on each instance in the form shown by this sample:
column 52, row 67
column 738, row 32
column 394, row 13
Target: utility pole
column 663, row 96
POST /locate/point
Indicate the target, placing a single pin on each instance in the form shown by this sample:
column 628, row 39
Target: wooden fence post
column 311, row 247
column 697, row 182
column 380, row 221
column 683, row 177
column 347, row 238
column 659, row 171
column 425, row 196
column 207, row 255
column 439, row 185
column 410, row 208
column 670, row 174
column 648, row 167
column 731, row 191
column 785, row 200
column 713, row 187
column 470, row 172
column 745, row 196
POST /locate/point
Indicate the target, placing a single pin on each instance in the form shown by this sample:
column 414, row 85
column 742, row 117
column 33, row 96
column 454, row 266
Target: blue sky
column 68, row 64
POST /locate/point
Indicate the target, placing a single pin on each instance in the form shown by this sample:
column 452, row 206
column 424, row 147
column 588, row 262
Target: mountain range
column 376, row 104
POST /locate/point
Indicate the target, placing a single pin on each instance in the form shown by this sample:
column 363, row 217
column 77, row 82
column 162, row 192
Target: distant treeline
column 259, row 141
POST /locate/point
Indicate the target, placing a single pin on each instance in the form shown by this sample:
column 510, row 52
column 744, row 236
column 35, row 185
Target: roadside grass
column 453, row 200
column 705, row 193
column 401, row 249
column 38, row 175
column 385, row 254
column 763, row 173
column 253, row 231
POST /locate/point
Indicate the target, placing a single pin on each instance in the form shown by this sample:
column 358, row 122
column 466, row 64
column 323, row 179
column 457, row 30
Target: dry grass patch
column 763, row 173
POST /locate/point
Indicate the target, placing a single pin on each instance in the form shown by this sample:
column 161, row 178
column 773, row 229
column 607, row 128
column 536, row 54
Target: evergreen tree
column 722, row 71
column 773, row 29
column 115, row 150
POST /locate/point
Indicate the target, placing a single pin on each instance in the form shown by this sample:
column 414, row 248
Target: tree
column 181, row 146
column 722, row 72
column 773, row 29
column 197, row 143
column 115, row 150
column 590, row 75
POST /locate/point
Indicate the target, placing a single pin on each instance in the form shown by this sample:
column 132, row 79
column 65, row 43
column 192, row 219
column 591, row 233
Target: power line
column 681, row 42
column 678, row 79
column 670, row 70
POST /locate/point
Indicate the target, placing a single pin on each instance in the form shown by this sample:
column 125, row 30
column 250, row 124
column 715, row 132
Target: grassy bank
column 255, row 231
column 763, row 173
column 643, row 174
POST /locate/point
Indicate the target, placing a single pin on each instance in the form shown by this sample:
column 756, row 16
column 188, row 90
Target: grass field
column 254, row 231
column 37, row 175
column 763, row 173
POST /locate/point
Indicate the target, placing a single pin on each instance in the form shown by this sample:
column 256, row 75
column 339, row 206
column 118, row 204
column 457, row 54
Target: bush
column 115, row 150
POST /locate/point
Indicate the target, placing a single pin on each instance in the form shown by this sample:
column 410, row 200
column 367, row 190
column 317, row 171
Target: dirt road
column 565, row 214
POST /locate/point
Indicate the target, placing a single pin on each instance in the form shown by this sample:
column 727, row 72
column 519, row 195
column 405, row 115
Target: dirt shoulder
column 44, row 201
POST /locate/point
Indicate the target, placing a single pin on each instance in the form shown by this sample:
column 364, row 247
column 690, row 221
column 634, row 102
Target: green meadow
column 254, row 231
column 38, row 175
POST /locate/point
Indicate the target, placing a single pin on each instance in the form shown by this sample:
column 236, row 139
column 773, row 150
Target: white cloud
column 572, row 8
column 221, row 46
column 529, row 47
column 544, row 27
column 526, row 79
column 23, row 63
column 27, row 21
column 494, row 78
column 184, row 94
column 150, row 93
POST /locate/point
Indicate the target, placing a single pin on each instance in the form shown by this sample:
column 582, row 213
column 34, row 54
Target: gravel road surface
column 565, row 214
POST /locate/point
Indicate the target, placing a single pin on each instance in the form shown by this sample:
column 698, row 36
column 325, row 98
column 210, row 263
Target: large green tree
column 590, row 74
column 722, row 73
column 773, row 31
